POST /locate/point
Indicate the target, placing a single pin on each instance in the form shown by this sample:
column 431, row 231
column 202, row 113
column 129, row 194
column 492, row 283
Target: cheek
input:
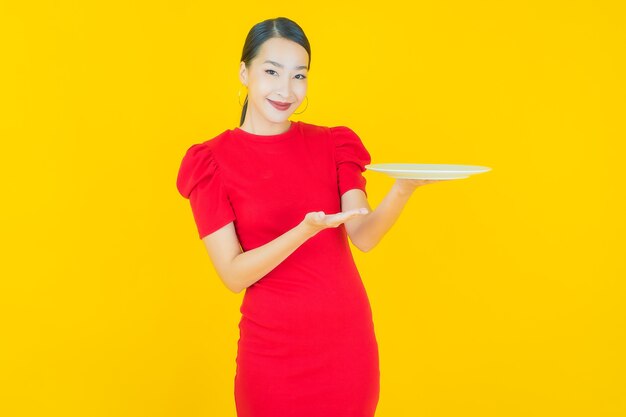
column 263, row 88
column 300, row 91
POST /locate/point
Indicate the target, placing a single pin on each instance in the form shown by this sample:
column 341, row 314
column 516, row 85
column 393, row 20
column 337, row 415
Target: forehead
column 283, row 52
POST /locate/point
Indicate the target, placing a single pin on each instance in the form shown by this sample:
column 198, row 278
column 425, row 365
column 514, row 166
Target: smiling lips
column 280, row 106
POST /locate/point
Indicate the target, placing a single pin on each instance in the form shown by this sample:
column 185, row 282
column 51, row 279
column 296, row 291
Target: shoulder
column 324, row 129
column 209, row 145
column 311, row 130
column 198, row 163
column 337, row 135
column 205, row 150
column 343, row 141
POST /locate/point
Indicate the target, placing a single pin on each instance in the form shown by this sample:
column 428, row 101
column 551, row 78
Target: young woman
column 274, row 202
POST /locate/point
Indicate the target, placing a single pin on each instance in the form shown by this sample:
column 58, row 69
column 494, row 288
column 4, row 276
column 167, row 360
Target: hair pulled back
column 279, row 27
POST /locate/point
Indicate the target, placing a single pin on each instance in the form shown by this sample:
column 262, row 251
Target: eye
column 271, row 72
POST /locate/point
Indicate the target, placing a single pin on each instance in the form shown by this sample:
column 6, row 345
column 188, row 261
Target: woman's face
column 278, row 73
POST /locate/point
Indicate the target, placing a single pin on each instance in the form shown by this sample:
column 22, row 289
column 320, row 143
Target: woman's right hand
column 318, row 220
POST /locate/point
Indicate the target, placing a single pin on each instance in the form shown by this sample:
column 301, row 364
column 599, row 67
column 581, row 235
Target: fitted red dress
column 307, row 346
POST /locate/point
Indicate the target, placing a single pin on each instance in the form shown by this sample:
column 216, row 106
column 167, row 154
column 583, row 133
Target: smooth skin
column 287, row 82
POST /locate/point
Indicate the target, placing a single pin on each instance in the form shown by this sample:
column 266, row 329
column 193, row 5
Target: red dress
column 307, row 346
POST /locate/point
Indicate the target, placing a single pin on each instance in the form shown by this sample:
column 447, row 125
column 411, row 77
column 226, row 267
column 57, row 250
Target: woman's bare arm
column 238, row 269
column 367, row 231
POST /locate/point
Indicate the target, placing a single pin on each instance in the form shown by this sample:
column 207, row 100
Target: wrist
column 402, row 191
column 307, row 230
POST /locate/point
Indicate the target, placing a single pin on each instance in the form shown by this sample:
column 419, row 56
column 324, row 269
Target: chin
column 278, row 118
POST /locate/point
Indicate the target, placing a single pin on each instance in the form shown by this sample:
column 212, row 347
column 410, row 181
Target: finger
column 361, row 210
column 345, row 216
column 349, row 214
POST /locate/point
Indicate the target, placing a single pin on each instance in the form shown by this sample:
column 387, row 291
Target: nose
column 284, row 88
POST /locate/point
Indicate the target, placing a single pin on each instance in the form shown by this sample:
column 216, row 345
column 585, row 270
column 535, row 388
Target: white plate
column 428, row 171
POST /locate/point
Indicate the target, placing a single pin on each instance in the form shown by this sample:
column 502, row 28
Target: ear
column 243, row 73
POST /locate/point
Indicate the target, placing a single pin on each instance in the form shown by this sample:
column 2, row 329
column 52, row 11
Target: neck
column 264, row 127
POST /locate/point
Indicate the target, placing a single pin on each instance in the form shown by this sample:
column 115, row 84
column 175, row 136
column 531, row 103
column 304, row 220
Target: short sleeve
column 199, row 180
column 351, row 156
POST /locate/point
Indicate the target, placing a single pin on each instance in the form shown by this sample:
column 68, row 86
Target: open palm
column 320, row 220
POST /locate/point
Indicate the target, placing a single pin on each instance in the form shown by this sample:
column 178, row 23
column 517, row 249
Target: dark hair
column 279, row 27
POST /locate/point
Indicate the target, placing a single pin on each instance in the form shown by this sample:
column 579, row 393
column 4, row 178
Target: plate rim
column 380, row 169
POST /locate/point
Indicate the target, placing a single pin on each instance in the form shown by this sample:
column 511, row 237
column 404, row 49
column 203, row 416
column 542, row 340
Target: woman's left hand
column 407, row 185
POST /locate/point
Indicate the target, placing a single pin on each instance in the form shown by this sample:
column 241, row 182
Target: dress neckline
column 238, row 132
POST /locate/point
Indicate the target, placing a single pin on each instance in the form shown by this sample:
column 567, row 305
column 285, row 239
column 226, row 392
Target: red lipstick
column 280, row 106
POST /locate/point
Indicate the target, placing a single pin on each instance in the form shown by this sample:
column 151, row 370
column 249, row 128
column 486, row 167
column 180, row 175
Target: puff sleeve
column 199, row 180
column 351, row 156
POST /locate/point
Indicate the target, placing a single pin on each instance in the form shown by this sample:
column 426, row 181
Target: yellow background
column 497, row 295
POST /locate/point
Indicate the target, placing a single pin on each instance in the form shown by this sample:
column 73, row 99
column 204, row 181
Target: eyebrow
column 282, row 66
